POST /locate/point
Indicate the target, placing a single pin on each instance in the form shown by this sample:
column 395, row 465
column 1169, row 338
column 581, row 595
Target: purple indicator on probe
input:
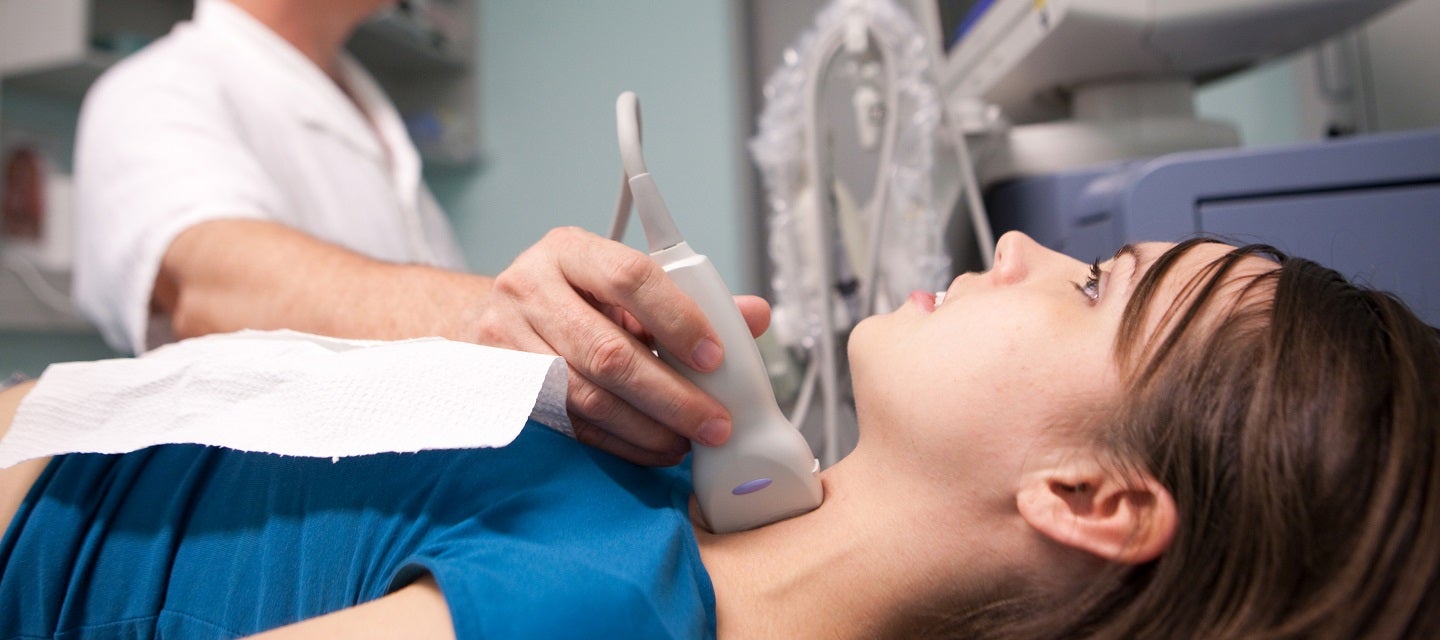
column 751, row 486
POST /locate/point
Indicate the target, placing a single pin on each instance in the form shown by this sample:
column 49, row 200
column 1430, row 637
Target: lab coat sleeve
column 158, row 149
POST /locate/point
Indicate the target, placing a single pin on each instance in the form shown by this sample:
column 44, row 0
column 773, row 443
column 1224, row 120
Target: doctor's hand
column 600, row 305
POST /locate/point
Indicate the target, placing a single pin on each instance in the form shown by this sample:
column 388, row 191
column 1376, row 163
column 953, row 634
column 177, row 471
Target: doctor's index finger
column 615, row 274
column 620, row 386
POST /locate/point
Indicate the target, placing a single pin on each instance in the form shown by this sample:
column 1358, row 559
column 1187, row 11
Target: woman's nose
column 1013, row 253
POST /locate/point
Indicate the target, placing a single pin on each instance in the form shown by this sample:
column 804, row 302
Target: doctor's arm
column 595, row 302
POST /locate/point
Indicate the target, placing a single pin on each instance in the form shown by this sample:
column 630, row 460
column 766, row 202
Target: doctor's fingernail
column 713, row 432
column 707, row 354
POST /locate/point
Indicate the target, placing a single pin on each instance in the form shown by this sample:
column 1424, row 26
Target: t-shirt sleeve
column 158, row 149
column 519, row 590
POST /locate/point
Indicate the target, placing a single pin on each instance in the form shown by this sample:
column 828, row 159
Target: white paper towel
column 293, row 394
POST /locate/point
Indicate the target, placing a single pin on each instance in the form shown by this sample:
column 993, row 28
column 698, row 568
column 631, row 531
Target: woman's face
column 1009, row 351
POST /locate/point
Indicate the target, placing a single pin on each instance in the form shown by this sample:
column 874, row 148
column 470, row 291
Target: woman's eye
column 1091, row 288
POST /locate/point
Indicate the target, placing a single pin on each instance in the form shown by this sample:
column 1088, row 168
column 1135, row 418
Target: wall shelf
column 424, row 58
column 22, row 309
column 67, row 81
column 393, row 44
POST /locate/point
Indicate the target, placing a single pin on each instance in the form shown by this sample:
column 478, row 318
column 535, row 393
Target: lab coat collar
column 404, row 158
column 315, row 98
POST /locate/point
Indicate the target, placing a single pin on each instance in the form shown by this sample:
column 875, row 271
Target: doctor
column 245, row 172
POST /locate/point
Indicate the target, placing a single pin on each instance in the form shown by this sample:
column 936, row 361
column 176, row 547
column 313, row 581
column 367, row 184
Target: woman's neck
column 877, row 544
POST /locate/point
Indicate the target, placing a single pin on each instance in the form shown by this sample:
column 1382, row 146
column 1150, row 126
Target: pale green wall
column 1261, row 102
column 550, row 72
column 29, row 352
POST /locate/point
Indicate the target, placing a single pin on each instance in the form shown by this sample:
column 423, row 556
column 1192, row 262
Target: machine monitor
column 1026, row 55
column 958, row 17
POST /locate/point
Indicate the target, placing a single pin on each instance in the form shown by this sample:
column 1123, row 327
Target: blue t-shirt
column 545, row 538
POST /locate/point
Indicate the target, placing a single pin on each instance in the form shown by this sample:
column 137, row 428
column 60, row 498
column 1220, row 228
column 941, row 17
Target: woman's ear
column 1127, row 518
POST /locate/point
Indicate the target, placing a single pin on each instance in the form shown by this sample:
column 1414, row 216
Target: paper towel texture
column 291, row 393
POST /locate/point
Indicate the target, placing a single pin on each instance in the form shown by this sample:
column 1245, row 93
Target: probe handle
column 765, row 472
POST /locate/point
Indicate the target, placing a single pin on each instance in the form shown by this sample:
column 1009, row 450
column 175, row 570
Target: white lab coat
column 222, row 118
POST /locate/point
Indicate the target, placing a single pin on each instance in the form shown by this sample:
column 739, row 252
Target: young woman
column 1185, row 441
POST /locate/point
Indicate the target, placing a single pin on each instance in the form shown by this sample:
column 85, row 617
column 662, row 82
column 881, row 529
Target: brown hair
column 1297, row 426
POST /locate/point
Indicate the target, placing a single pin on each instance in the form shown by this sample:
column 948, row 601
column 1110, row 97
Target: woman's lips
column 923, row 299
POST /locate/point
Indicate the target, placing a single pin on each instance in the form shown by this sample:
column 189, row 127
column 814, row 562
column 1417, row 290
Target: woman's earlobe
column 1079, row 504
